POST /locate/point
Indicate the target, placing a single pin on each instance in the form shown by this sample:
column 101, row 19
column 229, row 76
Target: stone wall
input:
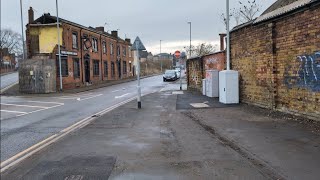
column 279, row 62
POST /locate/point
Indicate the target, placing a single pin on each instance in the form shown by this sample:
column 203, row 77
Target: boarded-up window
column 64, row 66
column 96, row 67
column 106, row 69
column 76, row 68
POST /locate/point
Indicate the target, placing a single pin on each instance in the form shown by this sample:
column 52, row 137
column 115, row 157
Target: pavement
column 8, row 80
column 179, row 135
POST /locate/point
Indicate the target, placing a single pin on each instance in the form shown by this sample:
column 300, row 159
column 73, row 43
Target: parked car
column 170, row 75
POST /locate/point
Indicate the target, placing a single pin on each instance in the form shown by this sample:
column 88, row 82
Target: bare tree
column 202, row 49
column 249, row 10
column 236, row 14
column 11, row 40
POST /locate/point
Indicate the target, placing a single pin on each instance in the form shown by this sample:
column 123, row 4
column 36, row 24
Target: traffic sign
column 177, row 54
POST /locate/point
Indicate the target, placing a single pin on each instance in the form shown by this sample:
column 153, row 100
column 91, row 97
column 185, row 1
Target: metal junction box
column 229, row 87
column 212, row 83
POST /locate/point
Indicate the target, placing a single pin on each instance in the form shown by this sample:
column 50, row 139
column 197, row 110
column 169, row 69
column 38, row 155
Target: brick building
column 89, row 55
column 197, row 66
column 8, row 60
column 278, row 57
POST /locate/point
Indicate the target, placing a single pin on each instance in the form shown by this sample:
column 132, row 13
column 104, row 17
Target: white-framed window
column 74, row 40
column 124, row 50
column 111, row 48
column 104, row 47
column 95, row 44
column 118, row 50
column 129, row 51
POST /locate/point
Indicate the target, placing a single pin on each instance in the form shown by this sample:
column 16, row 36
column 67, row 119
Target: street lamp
column 22, row 33
column 160, row 56
column 59, row 51
column 190, row 40
column 228, row 37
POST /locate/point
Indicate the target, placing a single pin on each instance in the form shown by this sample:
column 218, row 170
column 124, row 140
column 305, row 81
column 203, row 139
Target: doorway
column 119, row 68
column 87, row 68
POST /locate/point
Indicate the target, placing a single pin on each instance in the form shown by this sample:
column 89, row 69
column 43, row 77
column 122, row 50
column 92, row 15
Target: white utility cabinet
column 212, row 83
column 229, row 87
column 204, row 89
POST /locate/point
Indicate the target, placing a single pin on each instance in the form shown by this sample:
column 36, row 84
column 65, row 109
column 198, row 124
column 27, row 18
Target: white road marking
column 89, row 97
column 117, row 97
column 40, row 110
column 44, row 102
column 18, row 112
column 21, row 105
column 115, row 91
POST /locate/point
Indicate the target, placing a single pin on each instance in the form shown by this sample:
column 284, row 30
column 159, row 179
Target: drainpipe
column 101, row 76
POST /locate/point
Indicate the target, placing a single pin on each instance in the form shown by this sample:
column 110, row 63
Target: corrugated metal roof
column 283, row 10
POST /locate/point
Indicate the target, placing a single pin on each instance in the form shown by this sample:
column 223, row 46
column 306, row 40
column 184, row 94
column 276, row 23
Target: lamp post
column 160, row 56
column 190, row 40
column 22, row 33
column 228, row 37
column 59, row 51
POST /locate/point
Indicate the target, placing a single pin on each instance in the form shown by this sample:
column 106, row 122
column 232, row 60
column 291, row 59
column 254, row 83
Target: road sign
column 137, row 45
column 177, row 54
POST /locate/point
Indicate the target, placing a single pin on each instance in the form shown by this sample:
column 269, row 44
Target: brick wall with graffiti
column 279, row 63
column 215, row 61
column 197, row 67
column 195, row 73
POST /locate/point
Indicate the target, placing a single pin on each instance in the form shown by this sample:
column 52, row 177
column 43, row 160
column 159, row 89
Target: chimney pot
column 31, row 15
column 128, row 40
column 222, row 36
column 100, row 28
column 114, row 34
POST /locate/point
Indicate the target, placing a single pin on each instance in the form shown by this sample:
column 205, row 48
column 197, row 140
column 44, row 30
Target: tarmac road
column 28, row 120
column 9, row 79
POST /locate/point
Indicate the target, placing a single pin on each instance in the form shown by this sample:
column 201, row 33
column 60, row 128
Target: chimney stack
column 31, row 15
column 222, row 37
column 114, row 34
column 128, row 40
column 100, row 28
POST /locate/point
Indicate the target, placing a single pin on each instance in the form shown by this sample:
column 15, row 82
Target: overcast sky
column 151, row 20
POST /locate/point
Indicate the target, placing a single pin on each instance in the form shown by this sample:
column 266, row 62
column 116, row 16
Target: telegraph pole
column 22, row 33
column 190, row 40
column 59, row 51
column 160, row 56
column 228, row 37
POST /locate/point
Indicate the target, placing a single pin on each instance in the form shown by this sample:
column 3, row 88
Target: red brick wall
column 197, row 67
column 215, row 61
column 279, row 63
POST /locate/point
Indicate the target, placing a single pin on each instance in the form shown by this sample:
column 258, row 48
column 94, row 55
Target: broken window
column 74, row 40
column 76, row 68
column 64, row 66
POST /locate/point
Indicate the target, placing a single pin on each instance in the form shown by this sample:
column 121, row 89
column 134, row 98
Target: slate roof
column 138, row 45
column 47, row 19
column 281, row 7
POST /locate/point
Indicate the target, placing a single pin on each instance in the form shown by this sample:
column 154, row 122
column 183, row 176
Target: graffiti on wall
column 305, row 72
column 194, row 72
column 211, row 63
